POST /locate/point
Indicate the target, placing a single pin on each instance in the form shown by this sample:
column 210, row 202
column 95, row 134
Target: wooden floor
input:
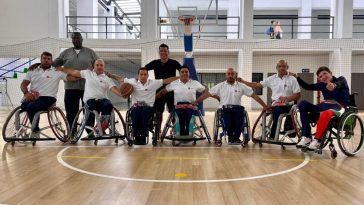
column 56, row 173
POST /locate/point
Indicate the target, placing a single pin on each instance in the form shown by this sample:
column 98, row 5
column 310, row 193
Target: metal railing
column 221, row 27
column 103, row 27
column 321, row 26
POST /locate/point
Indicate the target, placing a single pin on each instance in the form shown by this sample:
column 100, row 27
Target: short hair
column 46, row 53
column 323, row 68
column 76, row 33
column 184, row 66
column 142, row 68
column 164, row 46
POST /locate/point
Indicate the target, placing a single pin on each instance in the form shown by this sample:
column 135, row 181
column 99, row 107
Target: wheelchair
column 285, row 135
column 18, row 127
column 153, row 127
column 115, row 130
column 347, row 129
column 197, row 128
column 219, row 133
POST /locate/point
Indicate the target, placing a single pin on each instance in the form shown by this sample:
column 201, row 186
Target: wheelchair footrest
column 274, row 142
column 185, row 139
column 103, row 138
column 31, row 139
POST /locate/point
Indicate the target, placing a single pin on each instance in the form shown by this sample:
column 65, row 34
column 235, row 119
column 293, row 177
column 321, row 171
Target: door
column 356, row 80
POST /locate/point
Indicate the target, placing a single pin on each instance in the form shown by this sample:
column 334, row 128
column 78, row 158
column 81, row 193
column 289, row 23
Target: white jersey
column 230, row 94
column 285, row 86
column 144, row 92
column 96, row 86
column 185, row 92
column 45, row 82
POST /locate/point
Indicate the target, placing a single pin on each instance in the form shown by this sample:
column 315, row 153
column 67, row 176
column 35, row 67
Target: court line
column 84, row 157
column 65, row 164
column 192, row 158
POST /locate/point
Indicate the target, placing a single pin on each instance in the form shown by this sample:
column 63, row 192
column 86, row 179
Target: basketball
column 126, row 90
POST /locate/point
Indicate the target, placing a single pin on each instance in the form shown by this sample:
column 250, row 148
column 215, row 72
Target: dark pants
column 276, row 111
column 306, row 107
column 140, row 116
column 72, row 98
column 101, row 105
column 40, row 104
column 160, row 103
column 184, row 117
column 233, row 122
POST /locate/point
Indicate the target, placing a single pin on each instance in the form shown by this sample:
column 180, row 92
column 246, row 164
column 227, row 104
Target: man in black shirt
column 164, row 68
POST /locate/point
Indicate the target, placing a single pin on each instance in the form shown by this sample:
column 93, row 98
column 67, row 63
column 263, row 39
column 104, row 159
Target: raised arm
column 250, row 84
column 116, row 91
column 260, row 101
column 161, row 93
column 70, row 71
column 119, row 78
column 169, row 80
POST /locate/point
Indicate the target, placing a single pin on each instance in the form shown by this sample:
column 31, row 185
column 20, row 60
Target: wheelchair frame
column 19, row 119
column 155, row 128
column 197, row 134
column 79, row 125
column 341, row 128
column 218, row 124
column 265, row 120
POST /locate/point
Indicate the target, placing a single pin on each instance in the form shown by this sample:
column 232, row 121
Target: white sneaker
column 314, row 145
column 35, row 135
column 304, row 142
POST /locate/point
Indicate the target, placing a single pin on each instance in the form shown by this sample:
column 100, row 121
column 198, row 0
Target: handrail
column 10, row 63
column 13, row 69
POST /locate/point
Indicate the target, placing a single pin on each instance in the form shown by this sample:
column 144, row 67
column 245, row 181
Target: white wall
column 23, row 21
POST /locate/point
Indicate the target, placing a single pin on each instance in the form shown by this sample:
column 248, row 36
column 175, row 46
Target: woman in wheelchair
column 336, row 98
column 184, row 95
column 95, row 95
column 229, row 94
column 143, row 98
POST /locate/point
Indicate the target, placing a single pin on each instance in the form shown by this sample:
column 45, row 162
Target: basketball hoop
column 187, row 19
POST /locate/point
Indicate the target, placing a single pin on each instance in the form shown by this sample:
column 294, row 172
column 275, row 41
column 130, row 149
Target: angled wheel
column 129, row 127
column 120, row 126
column 258, row 132
column 16, row 125
column 351, row 134
column 78, row 126
column 246, row 130
column 217, row 125
column 58, row 123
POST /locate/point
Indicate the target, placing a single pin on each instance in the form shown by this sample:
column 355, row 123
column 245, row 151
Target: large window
column 257, row 77
column 211, row 79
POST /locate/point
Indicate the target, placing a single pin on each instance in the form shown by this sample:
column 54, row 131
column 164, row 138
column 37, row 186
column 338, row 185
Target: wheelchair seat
column 219, row 131
column 18, row 127
column 152, row 126
column 193, row 129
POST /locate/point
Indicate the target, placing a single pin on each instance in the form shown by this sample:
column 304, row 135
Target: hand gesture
column 330, row 86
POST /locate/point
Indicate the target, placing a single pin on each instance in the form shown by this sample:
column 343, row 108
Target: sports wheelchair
column 197, row 129
column 347, row 129
column 284, row 135
column 18, row 127
column 115, row 130
column 219, row 132
column 153, row 125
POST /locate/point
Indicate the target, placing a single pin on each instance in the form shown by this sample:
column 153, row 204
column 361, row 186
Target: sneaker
column 314, row 145
column 35, row 135
column 304, row 142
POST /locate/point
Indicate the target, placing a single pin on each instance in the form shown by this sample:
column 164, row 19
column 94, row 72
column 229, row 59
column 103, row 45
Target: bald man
column 285, row 90
column 229, row 94
column 96, row 87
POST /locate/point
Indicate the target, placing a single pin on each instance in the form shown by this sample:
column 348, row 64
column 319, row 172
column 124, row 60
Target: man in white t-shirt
column 44, row 81
column 143, row 98
column 96, row 87
column 185, row 90
column 229, row 94
column 285, row 90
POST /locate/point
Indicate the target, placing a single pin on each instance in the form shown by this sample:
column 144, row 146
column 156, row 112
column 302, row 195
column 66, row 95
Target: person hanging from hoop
column 188, row 20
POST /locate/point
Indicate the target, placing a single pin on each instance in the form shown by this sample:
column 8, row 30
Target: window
column 211, row 79
column 257, row 77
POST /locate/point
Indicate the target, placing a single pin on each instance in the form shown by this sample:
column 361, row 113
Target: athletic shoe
column 314, row 145
column 304, row 142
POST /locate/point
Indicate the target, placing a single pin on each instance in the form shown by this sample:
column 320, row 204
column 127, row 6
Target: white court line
column 62, row 162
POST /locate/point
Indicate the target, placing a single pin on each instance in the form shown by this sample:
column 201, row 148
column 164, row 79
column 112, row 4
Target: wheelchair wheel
column 119, row 123
column 129, row 128
column 156, row 127
column 58, row 123
column 351, row 134
column 217, row 125
column 258, row 131
column 16, row 127
column 246, row 130
column 295, row 113
column 78, row 126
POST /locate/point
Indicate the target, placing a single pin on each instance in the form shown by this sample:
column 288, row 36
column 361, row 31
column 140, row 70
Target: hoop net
column 187, row 19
